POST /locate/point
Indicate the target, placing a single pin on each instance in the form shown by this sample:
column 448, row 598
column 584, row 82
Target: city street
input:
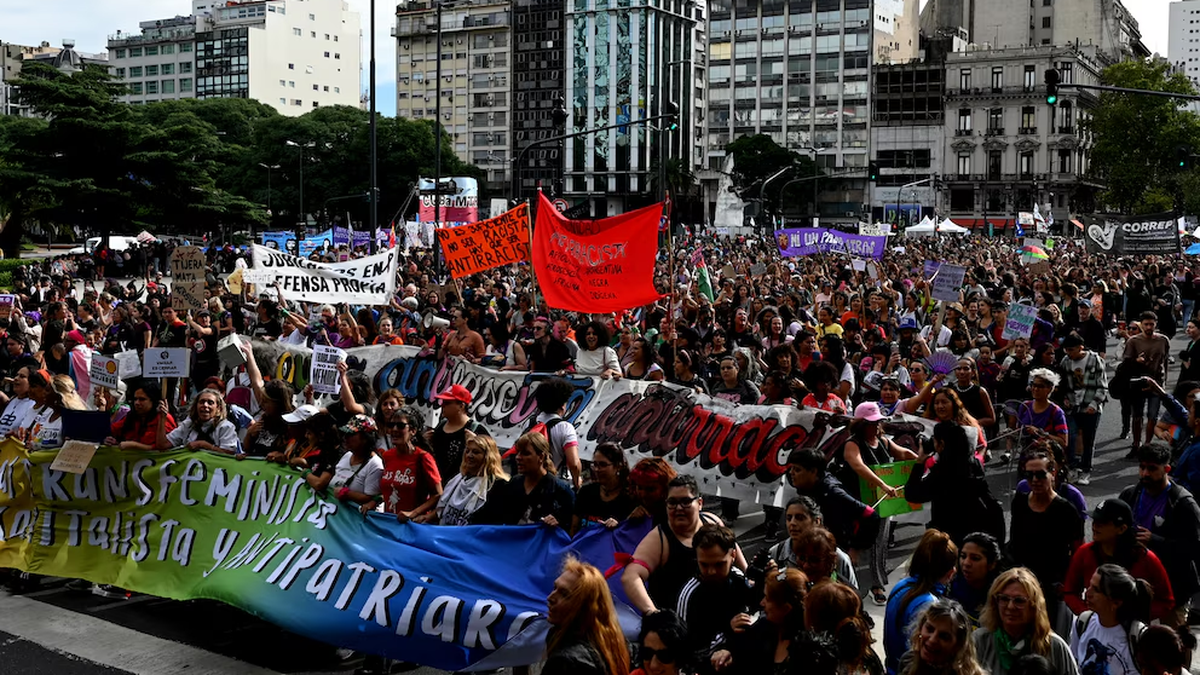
column 56, row 630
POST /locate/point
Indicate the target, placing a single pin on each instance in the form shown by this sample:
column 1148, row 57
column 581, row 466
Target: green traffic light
column 1052, row 99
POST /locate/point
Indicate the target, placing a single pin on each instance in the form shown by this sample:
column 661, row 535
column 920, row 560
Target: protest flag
column 702, row 277
column 483, row 245
column 596, row 266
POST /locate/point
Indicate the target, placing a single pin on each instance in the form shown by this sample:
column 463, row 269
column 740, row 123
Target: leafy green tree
column 1144, row 177
column 757, row 158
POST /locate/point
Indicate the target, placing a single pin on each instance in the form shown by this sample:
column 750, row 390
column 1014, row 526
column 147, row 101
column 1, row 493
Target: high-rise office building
column 631, row 59
column 294, row 55
column 1183, row 47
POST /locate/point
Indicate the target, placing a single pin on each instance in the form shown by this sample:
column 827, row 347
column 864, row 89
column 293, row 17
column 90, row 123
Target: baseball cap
column 1113, row 511
column 869, row 411
column 907, row 322
column 1084, row 302
column 456, row 392
column 301, row 414
column 360, row 424
column 75, row 336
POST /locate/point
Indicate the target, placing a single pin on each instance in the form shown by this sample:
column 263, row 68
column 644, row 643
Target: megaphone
column 434, row 321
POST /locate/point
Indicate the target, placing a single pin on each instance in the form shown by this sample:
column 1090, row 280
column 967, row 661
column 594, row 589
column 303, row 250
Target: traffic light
column 872, row 171
column 559, row 114
column 1052, row 81
column 1183, row 158
column 672, row 111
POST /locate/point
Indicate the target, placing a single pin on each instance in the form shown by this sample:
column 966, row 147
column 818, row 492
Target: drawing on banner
column 1019, row 322
column 948, row 282
column 171, row 362
column 325, row 378
column 104, row 371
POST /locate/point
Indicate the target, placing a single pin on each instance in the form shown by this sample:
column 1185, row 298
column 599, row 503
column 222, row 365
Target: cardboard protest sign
column 895, row 475
column 948, row 282
column 7, row 301
column 324, row 377
column 1019, row 322
column 129, row 364
column 74, row 456
column 170, row 362
column 472, row 248
column 189, row 295
column 758, row 269
column 187, row 264
column 104, row 371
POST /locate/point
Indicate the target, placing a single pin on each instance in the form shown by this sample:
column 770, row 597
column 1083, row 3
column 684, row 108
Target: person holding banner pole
column 139, row 429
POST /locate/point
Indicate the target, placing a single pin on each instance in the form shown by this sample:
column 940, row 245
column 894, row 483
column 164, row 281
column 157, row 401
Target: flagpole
column 532, row 270
column 671, row 272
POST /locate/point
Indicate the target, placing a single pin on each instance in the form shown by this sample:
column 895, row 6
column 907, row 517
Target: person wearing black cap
column 1166, row 520
column 1114, row 541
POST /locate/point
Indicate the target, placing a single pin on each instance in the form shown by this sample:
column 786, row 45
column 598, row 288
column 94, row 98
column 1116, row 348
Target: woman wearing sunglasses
column 411, row 484
column 1046, row 529
column 662, row 645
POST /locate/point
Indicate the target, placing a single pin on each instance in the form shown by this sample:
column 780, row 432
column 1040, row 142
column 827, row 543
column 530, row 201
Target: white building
column 1183, row 48
column 294, row 55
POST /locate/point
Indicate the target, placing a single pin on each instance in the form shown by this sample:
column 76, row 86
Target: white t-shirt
column 943, row 338
column 596, row 361
column 223, row 436
column 14, row 413
column 562, row 434
column 46, row 434
column 1097, row 644
column 362, row 478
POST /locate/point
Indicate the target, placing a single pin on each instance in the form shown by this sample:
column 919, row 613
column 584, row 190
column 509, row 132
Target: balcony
column 994, row 131
column 963, row 132
column 1068, row 130
column 1027, row 131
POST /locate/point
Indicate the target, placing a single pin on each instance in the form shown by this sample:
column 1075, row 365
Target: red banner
column 596, row 266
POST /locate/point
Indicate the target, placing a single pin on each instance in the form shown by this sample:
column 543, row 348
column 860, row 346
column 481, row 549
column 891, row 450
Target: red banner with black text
column 596, row 266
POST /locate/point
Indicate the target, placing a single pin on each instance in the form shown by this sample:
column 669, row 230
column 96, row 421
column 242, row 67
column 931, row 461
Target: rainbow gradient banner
column 190, row 525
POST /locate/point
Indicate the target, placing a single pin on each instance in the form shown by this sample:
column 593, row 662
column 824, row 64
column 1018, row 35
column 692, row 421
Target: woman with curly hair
column 836, row 609
column 930, row 570
column 585, row 637
column 942, row 643
column 1015, row 623
column 204, row 428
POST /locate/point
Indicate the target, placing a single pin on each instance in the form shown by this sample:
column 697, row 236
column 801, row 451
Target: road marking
column 98, row 641
column 136, row 600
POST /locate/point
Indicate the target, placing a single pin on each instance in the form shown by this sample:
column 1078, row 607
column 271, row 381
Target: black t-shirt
column 173, row 335
column 448, row 448
column 1042, row 541
column 590, row 506
column 272, row 328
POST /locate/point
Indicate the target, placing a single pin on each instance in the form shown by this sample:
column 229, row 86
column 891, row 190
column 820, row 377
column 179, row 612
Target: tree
column 1146, row 178
column 757, row 158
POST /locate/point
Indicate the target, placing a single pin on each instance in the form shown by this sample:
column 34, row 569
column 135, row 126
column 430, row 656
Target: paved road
column 54, row 630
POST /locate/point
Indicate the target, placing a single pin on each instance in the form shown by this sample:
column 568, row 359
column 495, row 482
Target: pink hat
column 76, row 337
column 868, row 411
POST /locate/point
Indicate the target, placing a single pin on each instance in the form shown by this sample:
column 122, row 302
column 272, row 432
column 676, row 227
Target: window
column 326, row 54
column 997, row 78
column 135, row 71
column 151, row 51
column 316, row 87
column 311, row 17
column 292, row 84
column 1030, row 78
column 168, row 49
column 327, row 36
column 151, row 70
column 136, row 87
column 120, row 53
column 337, row 90
column 1026, row 163
column 135, row 52
column 995, row 161
column 283, row 83
column 964, row 78
column 297, row 32
column 296, row 101
column 337, row 55
column 314, row 33
column 120, row 72
column 316, row 104
column 326, row 88
column 1064, row 161
column 185, row 67
column 964, row 165
column 1066, row 74
column 291, row 66
column 1045, row 22
column 185, row 84
column 168, row 69
column 185, row 48
column 964, row 120
column 995, row 119
column 1028, row 117
column 152, row 87
column 283, row 101
column 168, row 86
column 335, row 39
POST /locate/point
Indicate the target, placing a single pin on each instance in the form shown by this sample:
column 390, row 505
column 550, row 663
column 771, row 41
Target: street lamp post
column 437, row 142
column 269, row 168
column 374, row 217
column 303, row 218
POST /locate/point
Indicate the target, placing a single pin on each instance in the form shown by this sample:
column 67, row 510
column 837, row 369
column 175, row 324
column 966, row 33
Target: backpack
column 1136, row 628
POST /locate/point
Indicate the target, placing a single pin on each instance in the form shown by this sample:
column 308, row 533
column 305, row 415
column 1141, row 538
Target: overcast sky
column 90, row 22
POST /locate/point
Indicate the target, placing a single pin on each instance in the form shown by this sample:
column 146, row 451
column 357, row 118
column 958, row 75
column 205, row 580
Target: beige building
column 476, row 86
column 13, row 56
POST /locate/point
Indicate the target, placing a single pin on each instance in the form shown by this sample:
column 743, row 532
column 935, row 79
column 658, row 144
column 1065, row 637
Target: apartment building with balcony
column 1005, row 148
column 476, row 86
column 160, row 63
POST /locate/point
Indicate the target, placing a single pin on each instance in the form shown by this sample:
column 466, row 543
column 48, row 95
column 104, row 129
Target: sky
column 90, row 22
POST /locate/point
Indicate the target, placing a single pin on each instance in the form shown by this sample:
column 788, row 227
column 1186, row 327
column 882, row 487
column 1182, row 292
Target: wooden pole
column 532, row 272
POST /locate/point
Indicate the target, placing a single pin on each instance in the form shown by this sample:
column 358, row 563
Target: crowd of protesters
column 858, row 343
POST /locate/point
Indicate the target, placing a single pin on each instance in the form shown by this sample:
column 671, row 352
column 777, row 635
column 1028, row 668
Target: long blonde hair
column 65, row 386
column 593, row 618
column 965, row 662
column 990, row 619
column 493, row 466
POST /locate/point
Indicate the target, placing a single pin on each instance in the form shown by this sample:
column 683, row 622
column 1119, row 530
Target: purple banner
column 810, row 240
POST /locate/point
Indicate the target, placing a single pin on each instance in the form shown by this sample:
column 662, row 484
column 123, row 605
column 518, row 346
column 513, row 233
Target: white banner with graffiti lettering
column 737, row 451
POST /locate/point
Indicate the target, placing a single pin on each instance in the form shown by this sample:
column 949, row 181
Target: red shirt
column 146, row 435
column 1145, row 565
column 409, row 479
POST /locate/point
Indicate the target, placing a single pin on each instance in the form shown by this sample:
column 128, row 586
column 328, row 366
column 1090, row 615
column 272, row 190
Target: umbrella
column 1035, row 252
column 1194, row 249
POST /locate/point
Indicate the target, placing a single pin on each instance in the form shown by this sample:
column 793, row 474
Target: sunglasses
column 398, row 425
column 664, row 656
column 1041, row 474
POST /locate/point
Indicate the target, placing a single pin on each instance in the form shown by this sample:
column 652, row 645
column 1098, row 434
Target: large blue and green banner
column 188, row 525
